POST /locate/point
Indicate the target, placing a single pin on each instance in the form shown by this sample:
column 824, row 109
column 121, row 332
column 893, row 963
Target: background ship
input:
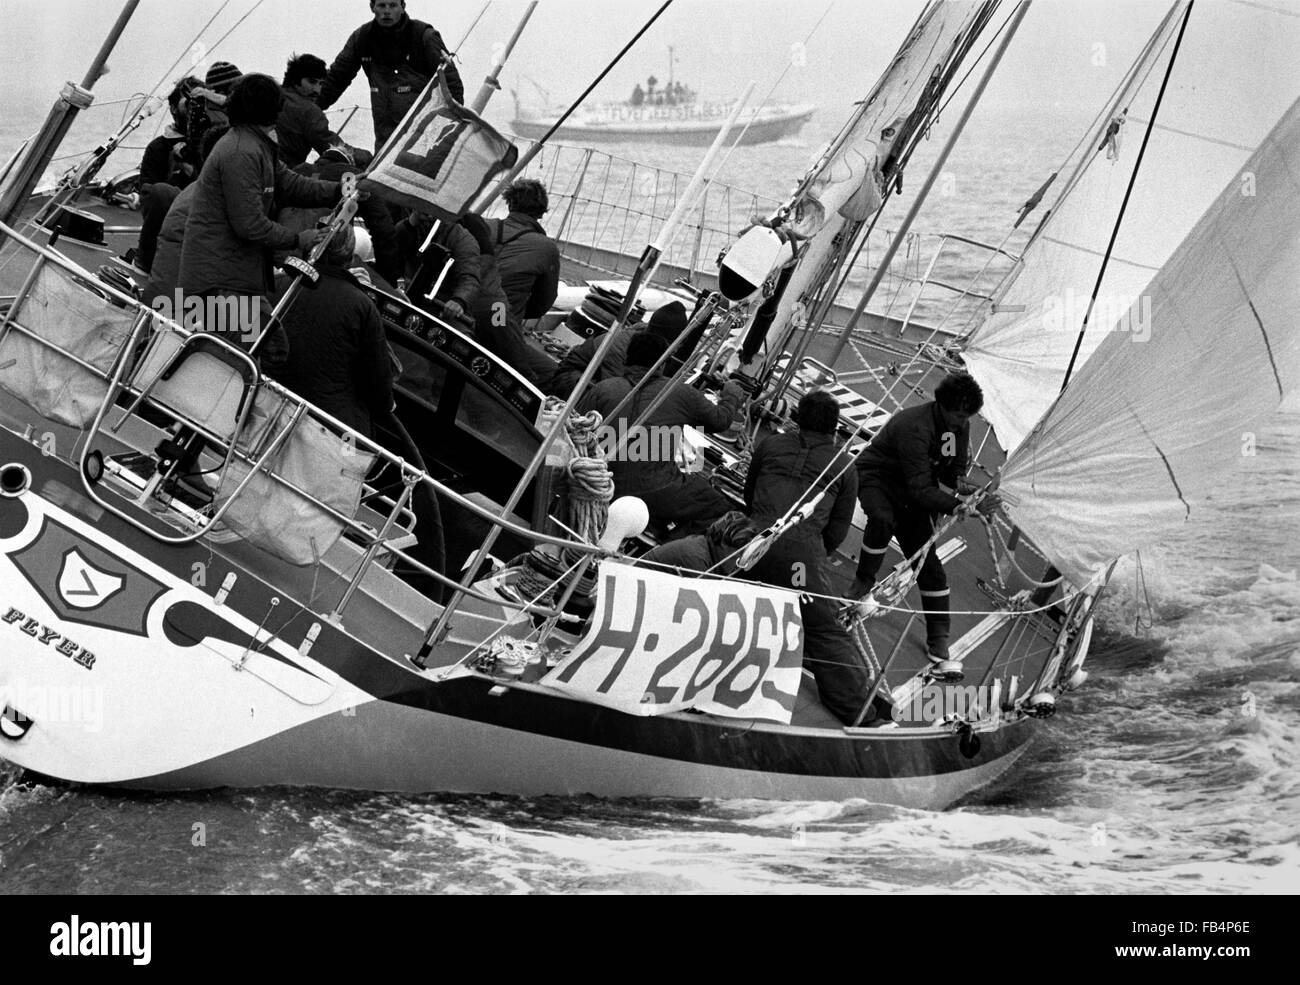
column 669, row 113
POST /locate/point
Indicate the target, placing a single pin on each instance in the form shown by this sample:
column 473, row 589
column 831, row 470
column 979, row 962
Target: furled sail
column 1144, row 432
column 845, row 183
column 1235, row 74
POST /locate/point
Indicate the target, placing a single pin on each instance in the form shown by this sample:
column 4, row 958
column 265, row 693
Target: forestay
column 659, row 643
column 846, row 186
column 1235, row 75
column 1145, row 432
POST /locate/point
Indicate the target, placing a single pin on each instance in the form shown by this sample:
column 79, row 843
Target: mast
column 883, row 267
column 72, row 100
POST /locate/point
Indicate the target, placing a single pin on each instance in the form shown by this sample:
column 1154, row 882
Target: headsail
column 1235, row 75
column 1146, row 431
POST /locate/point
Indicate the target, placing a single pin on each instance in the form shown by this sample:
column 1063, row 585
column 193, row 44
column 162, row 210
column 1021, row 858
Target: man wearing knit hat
column 400, row 56
column 668, row 322
column 207, row 105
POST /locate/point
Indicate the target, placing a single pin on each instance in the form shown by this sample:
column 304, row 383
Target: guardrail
column 145, row 322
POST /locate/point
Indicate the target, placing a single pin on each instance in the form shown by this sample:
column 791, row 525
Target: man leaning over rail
column 899, row 476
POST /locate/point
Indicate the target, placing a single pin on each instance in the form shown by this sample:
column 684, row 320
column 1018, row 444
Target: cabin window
column 487, row 420
column 421, row 377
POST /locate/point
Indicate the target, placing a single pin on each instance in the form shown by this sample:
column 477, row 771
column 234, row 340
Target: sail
column 1146, row 430
column 1235, row 74
column 846, row 184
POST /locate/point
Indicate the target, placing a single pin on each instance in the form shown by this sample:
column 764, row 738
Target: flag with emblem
column 440, row 158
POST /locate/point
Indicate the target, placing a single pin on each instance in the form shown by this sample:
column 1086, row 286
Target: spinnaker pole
column 898, row 238
column 72, row 100
column 490, row 83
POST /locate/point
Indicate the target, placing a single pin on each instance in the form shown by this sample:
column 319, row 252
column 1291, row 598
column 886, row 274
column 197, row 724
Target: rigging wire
column 1119, row 219
column 524, row 159
column 770, row 92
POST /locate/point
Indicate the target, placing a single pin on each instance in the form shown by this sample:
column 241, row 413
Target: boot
column 865, row 578
column 938, row 624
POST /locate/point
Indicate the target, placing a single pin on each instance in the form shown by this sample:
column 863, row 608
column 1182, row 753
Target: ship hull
column 670, row 132
column 185, row 691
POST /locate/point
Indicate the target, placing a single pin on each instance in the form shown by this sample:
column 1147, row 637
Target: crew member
column 427, row 257
column 165, row 171
column 207, row 105
column 668, row 322
column 528, row 258
column 715, row 551
column 229, row 237
column 301, row 126
column 400, row 56
column 165, row 271
column 899, row 476
column 495, row 327
column 788, row 470
column 337, row 160
column 646, row 465
column 338, row 353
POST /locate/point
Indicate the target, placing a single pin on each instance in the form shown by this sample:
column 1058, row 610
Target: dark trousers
column 154, row 204
column 913, row 526
column 842, row 679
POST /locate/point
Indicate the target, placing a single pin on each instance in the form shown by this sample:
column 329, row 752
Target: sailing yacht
column 262, row 635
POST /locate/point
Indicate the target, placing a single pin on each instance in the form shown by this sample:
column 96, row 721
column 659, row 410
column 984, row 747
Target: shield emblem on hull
column 83, row 586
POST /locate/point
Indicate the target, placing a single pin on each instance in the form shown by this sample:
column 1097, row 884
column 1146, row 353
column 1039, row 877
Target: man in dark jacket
column 301, row 126
column 494, row 327
column 229, row 237
column 338, row 160
column 165, row 171
column 338, row 352
column 400, row 56
column 165, row 273
column 715, row 550
column 529, row 259
column 667, row 322
column 426, row 258
column 790, row 469
column 898, row 485
column 645, row 465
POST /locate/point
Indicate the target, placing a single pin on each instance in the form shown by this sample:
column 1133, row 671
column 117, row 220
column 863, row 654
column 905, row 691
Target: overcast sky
column 1068, row 51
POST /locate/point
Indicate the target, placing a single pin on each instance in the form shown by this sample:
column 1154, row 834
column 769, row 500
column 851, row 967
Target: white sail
column 1236, row 73
column 845, row 185
column 1146, row 431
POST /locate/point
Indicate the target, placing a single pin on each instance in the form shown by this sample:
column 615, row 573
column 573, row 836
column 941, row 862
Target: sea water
column 1175, row 769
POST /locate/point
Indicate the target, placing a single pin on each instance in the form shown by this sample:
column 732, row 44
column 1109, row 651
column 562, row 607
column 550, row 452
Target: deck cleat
column 1040, row 705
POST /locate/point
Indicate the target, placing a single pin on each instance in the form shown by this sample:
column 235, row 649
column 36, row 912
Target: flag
column 440, row 158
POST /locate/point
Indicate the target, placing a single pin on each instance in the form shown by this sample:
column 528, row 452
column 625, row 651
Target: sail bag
column 62, row 312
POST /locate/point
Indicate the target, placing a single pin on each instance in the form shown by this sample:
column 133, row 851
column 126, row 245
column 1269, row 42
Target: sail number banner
column 659, row 643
